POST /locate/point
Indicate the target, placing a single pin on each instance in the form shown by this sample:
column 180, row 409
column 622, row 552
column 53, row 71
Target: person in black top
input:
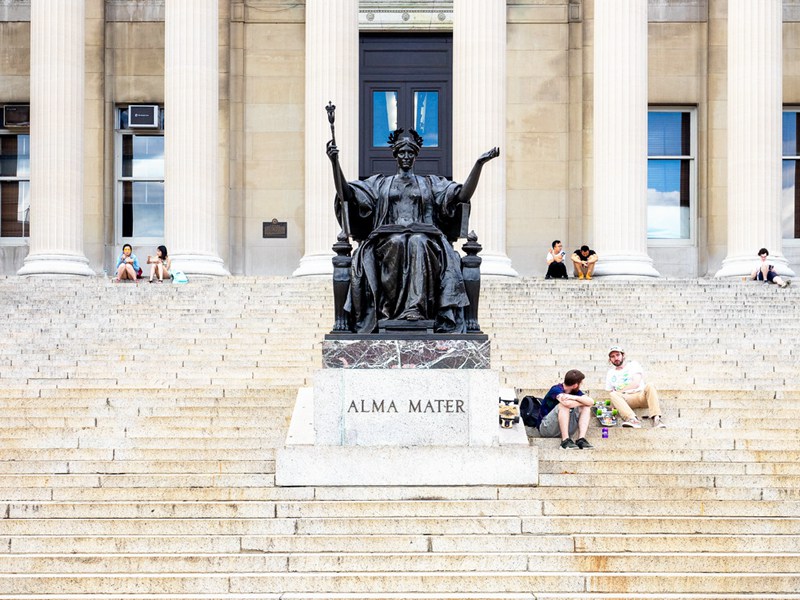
column 584, row 260
column 565, row 410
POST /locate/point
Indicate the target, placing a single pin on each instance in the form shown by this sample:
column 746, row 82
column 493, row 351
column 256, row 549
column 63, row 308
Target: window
column 790, row 196
column 140, row 181
column 670, row 173
column 15, row 184
column 406, row 82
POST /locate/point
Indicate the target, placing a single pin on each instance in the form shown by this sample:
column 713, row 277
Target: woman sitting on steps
column 161, row 264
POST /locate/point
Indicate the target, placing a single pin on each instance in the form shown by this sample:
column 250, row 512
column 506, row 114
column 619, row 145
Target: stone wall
column 549, row 116
column 538, row 197
column 273, row 105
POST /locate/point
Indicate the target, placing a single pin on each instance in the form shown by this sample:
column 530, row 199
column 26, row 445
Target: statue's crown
column 398, row 141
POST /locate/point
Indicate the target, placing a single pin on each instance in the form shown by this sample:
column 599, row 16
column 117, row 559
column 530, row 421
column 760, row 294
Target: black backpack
column 529, row 409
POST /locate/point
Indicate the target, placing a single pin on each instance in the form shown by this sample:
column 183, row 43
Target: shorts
column 770, row 275
column 549, row 426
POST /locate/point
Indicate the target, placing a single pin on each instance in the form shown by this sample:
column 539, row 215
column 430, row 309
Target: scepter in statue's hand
column 331, row 110
column 339, row 181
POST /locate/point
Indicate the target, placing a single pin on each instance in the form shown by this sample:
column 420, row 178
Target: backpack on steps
column 529, row 408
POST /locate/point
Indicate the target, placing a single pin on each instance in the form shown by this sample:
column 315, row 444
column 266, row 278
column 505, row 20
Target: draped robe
column 404, row 266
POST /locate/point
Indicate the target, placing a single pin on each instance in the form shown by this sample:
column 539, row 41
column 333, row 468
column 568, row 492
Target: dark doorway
column 406, row 81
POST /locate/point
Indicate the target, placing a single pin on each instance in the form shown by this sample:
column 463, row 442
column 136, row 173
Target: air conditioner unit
column 17, row 115
column 142, row 116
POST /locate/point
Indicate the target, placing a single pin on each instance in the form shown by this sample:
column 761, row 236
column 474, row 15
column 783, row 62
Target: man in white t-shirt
column 625, row 381
column 556, row 268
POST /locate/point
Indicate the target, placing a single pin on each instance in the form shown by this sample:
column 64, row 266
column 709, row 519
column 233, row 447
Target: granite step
column 374, row 562
column 365, row 582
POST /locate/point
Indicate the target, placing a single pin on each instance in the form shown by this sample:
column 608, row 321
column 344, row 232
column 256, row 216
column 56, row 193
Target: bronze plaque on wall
column 275, row 229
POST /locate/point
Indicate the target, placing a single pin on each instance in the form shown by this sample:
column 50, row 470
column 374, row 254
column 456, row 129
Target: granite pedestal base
column 363, row 426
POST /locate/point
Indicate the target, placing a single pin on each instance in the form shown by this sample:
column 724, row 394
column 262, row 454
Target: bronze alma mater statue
column 405, row 267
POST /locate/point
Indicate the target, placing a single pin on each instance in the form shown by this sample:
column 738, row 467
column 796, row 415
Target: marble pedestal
column 403, row 411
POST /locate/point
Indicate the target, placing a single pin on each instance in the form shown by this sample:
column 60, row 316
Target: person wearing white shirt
column 556, row 269
column 628, row 389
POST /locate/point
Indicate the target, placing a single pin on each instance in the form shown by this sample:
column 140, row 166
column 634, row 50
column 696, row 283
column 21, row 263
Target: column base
column 56, row 265
column 496, row 264
column 743, row 266
column 199, row 265
column 315, row 264
column 624, row 266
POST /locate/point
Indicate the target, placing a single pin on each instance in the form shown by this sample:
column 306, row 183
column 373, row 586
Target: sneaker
column 580, row 275
column 658, row 423
column 588, row 277
column 583, row 444
column 785, row 283
column 632, row 422
column 568, row 444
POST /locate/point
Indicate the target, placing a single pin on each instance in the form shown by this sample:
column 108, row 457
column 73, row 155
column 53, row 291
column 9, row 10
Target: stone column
column 57, row 105
column 755, row 68
column 620, row 139
column 479, row 120
column 191, row 102
column 331, row 75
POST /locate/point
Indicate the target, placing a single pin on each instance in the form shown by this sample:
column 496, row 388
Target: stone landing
column 430, row 420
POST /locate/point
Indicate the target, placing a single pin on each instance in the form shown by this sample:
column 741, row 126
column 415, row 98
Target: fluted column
column 479, row 120
column 620, row 139
column 331, row 75
column 191, row 102
column 57, row 104
column 755, row 67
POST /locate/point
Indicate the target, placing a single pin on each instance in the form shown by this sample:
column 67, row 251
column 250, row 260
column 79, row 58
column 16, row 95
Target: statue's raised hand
column 332, row 151
column 489, row 155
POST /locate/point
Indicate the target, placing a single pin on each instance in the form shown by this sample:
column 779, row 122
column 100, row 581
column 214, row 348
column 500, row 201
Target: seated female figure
column 159, row 265
column 404, row 267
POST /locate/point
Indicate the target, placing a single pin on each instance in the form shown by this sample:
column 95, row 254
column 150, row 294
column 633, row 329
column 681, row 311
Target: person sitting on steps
column 556, row 269
column 625, row 381
column 566, row 410
column 127, row 265
column 583, row 260
column 766, row 272
column 160, row 265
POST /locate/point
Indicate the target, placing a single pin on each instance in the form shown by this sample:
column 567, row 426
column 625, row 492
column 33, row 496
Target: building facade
column 663, row 133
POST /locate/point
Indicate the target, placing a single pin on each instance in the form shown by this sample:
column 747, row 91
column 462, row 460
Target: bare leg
column 153, row 271
column 590, row 270
column 120, row 273
column 583, row 421
column 563, row 421
column 131, row 274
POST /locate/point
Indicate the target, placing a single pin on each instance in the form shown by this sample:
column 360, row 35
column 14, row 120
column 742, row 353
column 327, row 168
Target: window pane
column 426, row 117
column 142, row 209
column 789, row 133
column 790, row 200
column 668, row 199
column 668, row 134
column 148, row 156
column 384, row 116
column 23, row 156
column 143, row 156
column 14, row 209
column 15, row 156
column 127, row 156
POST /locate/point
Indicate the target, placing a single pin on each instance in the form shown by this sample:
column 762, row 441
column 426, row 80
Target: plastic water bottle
column 605, row 433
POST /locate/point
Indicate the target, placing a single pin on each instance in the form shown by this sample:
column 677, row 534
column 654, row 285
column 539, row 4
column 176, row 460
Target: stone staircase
column 139, row 425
